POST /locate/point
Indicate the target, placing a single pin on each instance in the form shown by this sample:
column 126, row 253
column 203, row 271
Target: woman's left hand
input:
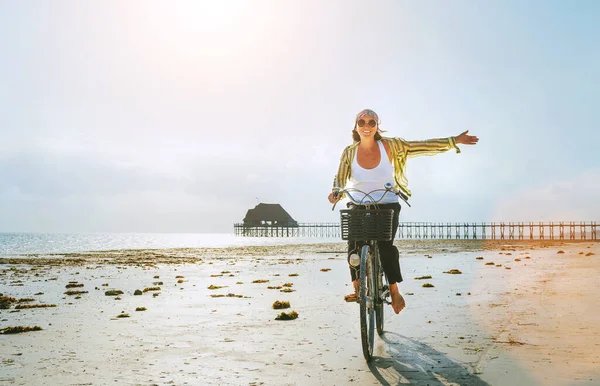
column 465, row 139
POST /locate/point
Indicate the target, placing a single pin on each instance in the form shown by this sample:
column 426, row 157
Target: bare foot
column 353, row 297
column 398, row 302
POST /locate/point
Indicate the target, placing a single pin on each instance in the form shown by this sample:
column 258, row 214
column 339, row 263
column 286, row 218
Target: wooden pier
column 302, row 230
column 571, row 230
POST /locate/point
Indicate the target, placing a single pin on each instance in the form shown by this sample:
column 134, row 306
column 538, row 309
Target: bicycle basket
column 361, row 225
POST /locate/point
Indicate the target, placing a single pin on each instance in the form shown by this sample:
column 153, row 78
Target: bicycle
column 369, row 225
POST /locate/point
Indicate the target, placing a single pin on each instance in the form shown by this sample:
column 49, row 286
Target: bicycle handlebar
column 388, row 187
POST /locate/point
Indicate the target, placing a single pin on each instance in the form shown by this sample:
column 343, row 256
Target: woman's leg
column 353, row 247
column 390, row 261
column 388, row 252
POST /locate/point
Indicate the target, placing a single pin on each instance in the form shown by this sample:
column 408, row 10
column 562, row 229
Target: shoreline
column 190, row 255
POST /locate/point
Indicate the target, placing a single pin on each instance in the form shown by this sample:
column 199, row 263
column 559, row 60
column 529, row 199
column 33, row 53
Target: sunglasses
column 361, row 123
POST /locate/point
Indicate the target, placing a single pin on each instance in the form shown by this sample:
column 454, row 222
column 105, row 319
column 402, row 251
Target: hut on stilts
column 267, row 220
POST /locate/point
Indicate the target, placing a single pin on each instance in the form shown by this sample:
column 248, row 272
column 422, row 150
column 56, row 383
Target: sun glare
column 212, row 16
column 227, row 28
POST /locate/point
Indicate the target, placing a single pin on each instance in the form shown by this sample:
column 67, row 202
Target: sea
column 15, row 244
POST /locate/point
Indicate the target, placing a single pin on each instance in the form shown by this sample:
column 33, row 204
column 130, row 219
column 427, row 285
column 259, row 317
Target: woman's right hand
column 334, row 197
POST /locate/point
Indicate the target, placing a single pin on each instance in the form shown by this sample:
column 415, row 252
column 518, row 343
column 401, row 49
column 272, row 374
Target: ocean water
column 12, row 244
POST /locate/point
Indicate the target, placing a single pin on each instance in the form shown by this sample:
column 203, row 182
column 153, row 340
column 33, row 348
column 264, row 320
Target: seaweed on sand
column 278, row 305
column 23, row 306
column 229, row 295
column 6, row 302
column 19, row 329
column 76, row 292
column 454, row 272
column 287, row 316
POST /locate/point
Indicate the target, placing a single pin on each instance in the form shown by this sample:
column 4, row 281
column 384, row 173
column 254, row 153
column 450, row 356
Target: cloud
column 53, row 190
column 51, row 174
column 575, row 198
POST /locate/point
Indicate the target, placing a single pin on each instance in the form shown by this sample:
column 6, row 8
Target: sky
column 179, row 116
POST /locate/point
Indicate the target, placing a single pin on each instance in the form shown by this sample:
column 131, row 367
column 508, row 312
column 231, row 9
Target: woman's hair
column 356, row 136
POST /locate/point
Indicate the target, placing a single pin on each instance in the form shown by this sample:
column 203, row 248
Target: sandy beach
column 518, row 314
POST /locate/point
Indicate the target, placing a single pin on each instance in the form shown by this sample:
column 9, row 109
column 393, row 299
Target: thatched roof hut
column 269, row 214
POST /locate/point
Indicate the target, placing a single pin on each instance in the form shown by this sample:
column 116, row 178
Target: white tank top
column 371, row 179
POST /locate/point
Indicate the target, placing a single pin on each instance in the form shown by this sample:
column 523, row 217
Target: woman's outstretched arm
column 438, row 145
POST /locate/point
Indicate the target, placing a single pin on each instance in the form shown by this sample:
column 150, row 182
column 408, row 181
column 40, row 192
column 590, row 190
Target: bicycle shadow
column 413, row 362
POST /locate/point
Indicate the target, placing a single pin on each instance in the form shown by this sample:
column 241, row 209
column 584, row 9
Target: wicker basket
column 362, row 225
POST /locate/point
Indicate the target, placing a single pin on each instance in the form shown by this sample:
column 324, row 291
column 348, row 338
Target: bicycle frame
column 373, row 290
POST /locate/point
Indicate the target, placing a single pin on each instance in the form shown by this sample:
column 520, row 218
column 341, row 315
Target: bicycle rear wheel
column 380, row 287
column 367, row 297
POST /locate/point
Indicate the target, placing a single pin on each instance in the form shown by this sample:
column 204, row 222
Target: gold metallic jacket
column 401, row 151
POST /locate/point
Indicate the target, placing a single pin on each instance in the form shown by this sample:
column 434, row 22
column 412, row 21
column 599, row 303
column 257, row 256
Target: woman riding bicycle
column 369, row 163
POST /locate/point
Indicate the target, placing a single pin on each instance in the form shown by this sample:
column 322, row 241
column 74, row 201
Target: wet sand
column 533, row 324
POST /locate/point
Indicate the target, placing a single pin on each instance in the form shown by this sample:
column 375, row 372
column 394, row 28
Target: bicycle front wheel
column 380, row 288
column 367, row 302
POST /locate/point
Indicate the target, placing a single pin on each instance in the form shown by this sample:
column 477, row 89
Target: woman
column 370, row 162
